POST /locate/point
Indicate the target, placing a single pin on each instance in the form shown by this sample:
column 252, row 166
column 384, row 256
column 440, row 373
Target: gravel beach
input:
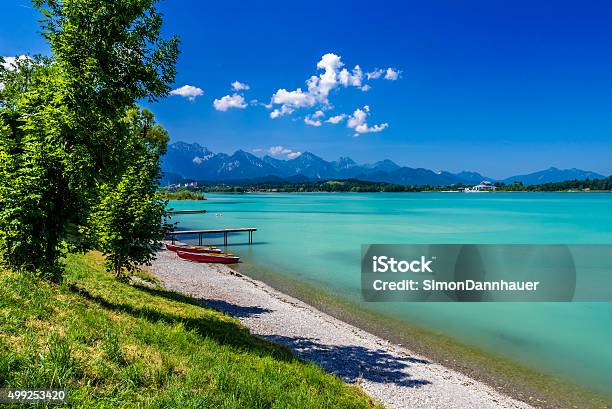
column 389, row 373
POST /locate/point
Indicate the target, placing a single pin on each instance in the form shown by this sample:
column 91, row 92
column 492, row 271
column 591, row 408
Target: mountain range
column 196, row 162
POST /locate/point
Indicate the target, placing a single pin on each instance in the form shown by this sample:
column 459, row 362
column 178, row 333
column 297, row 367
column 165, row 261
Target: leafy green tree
column 63, row 136
column 127, row 222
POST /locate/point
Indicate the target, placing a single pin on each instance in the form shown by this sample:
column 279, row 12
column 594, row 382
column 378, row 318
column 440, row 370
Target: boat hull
column 208, row 258
column 191, row 249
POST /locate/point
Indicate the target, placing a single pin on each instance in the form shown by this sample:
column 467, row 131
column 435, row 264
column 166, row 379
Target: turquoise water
column 316, row 238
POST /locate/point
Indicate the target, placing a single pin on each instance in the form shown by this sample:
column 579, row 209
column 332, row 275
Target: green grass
column 118, row 345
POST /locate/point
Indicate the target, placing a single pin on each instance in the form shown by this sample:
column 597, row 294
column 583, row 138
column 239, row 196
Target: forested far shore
column 353, row 185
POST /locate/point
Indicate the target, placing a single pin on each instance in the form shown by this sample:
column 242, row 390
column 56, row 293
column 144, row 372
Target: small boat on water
column 224, row 258
column 193, row 249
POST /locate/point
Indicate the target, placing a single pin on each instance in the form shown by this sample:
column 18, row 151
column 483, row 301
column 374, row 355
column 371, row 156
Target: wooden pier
column 225, row 232
column 186, row 211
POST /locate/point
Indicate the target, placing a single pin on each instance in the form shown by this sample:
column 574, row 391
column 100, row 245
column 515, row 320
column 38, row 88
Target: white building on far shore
column 484, row 186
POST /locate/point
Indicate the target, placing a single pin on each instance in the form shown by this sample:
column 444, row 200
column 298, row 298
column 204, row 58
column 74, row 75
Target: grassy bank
column 116, row 345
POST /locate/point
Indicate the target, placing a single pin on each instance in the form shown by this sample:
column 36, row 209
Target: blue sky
column 500, row 87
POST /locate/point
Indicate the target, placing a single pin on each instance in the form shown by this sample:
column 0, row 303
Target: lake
column 316, row 238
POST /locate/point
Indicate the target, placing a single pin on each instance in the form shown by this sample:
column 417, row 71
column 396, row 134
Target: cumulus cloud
column 336, row 119
column 352, row 79
column 376, row 74
column 278, row 150
column 281, row 151
column 289, row 101
column 240, row 86
column 284, row 110
column 357, row 121
column 331, row 74
column 230, row 101
column 188, row 91
column 392, row 74
column 312, row 122
column 319, row 87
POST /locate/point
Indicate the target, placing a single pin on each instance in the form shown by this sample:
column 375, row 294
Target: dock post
column 225, row 239
column 200, row 239
column 172, row 238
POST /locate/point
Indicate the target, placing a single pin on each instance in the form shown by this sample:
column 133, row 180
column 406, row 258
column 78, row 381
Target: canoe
column 193, row 249
column 208, row 258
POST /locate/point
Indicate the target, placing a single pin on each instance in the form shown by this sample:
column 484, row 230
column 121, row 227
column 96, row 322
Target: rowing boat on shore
column 223, row 258
column 193, row 249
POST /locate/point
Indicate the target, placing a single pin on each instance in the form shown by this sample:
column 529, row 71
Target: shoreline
column 391, row 374
column 507, row 377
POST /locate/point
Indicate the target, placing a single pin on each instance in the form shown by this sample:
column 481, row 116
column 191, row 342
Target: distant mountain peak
column 344, row 162
column 308, row 155
column 194, row 161
column 553, row 174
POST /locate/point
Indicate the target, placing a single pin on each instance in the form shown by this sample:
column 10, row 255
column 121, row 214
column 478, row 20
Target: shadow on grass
column 351, row 362
column 348, row 362
column 237, row 311
column 221, row 331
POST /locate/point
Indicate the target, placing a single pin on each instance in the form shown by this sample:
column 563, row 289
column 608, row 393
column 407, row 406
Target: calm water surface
column 316, row 238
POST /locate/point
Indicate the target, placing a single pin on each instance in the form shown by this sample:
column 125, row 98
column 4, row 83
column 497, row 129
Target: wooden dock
column 186, row 211
column 225, row 232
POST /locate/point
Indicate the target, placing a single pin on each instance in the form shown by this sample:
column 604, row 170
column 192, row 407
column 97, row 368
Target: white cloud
column 353, row 79
column 392, row 74
column 281, row 151
column 284, row 110
column 188, row 91
column 374, row 75
column 389, row 74
column 357, row 121
column 278, row 150
column 230, row 101
column 240, row 86
column 312, row 122
column 319, row 86
column 332, row 75
column 336, row 119
column 293, row 99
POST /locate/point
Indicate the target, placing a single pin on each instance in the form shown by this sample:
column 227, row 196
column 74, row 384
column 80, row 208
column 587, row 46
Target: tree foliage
column 126, row 221
column 64, row 137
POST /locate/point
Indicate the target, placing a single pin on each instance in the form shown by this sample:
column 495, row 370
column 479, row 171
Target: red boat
column 224, row 258
column 193, row 249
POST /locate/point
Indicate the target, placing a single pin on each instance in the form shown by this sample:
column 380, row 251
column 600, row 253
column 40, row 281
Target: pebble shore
column 390, row 374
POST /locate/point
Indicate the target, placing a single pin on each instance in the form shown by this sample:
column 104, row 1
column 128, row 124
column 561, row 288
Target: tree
column 63, row 137
column 127, row 222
